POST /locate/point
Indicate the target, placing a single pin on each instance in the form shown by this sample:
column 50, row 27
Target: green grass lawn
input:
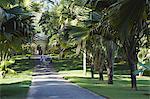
column 119, row 90
column 15, row 86
column 16, row 90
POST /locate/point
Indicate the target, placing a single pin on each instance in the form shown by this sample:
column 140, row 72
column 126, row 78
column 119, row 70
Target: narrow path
column 47, row 84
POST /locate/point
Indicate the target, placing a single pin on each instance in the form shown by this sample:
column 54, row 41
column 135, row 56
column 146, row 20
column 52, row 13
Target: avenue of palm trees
column 101, row 34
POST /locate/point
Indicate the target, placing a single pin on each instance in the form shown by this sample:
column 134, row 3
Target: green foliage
column 7, row 63
column 144, row 61
column 6, row 3
column 15, row 28
column 36, row 6
column 146, row 73
column 4, row 67
column 17, row 85
column 143, row 55
column 124, row 15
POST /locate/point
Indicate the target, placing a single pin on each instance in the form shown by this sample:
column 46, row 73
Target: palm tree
column 14, row 28
column 127, row 18
column 127, row 26
column 113, row 20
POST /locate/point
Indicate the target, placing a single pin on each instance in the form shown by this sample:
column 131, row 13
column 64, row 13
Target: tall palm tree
column 127, row 17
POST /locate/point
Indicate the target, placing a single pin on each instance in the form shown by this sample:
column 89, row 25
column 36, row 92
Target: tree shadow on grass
column 17, row 90
column 23, row 65
column 123, row 86
column 67, row 64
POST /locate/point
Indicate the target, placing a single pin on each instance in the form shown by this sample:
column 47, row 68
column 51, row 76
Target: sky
column 47, row 6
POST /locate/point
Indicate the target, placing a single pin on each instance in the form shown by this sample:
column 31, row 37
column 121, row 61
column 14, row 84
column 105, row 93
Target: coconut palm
column 127, row 17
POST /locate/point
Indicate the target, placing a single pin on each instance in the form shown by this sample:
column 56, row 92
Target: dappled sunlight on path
column 47, row 84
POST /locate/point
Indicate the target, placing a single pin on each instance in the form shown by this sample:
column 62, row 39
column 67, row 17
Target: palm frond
column 5, row 3
column 124, row 16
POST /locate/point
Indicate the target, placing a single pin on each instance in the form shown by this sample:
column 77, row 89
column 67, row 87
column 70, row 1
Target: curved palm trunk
column 132, row 59
column 110, row 61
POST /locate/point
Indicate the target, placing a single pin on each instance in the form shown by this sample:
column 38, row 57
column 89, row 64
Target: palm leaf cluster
column 15, row 28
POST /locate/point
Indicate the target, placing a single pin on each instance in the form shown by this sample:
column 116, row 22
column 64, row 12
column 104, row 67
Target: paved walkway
column 47, row 84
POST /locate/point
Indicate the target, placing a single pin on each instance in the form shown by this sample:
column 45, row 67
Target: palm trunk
column 92, row 70
column 110, row 74
column 132, row 63
column 132, row 59
column 101, row 74
column 133, row 76
column 110, row 61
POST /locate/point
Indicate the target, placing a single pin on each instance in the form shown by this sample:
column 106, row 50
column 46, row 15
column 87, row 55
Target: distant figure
column 39, row 50
column 43, row 58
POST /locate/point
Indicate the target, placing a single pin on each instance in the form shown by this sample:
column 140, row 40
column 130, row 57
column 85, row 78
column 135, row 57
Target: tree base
column 110, row 82
column 101, row 76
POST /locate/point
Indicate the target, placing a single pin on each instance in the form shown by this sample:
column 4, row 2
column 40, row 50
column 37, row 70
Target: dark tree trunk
column 92, row 70
column 132, row 61
column 110, row 75
column 1, row 55
column 29, row 57
column 101, row 74
column 132, row 69
column 46, row 48
column 6, row 54
column 110, row 63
